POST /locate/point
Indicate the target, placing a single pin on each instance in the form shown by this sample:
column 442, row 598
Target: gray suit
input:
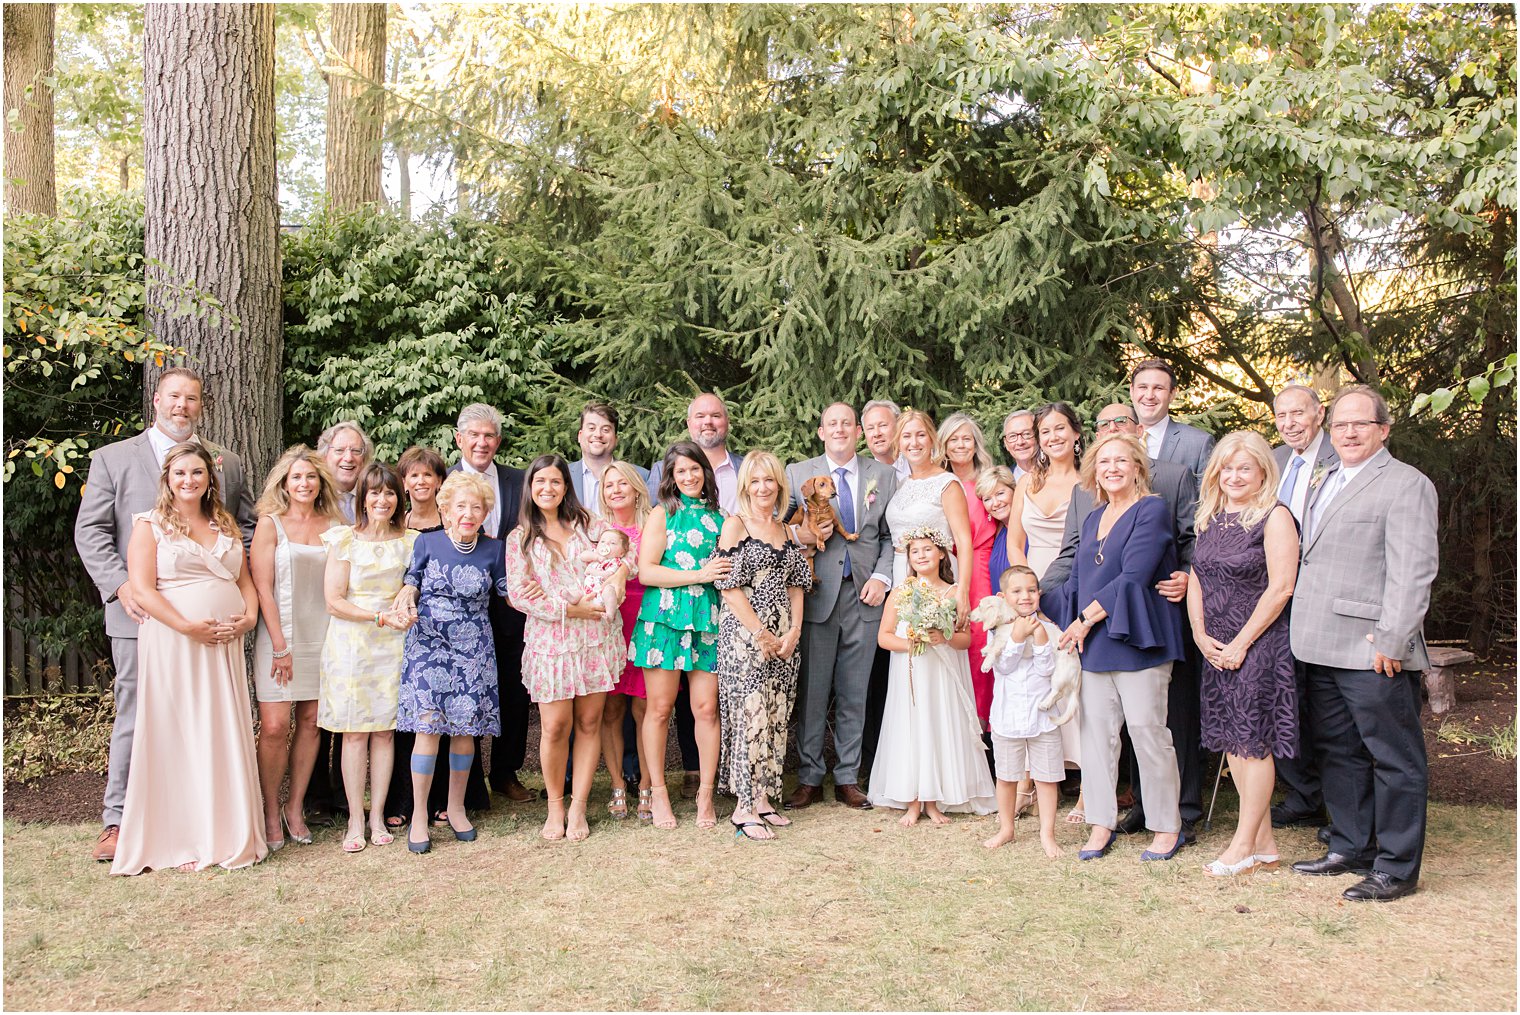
column 578, row 480
column 1186, row 445
column 1367, row 563
column 123, row 480
column 839, row 631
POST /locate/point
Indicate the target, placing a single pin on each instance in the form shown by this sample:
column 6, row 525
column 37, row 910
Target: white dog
column 996, row 617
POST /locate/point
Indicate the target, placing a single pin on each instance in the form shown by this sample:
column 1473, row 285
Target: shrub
column 57, row 733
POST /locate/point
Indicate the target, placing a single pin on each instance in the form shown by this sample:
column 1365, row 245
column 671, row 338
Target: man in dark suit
column 707, row 426
column 1306, row 455
column 124, row 480
column 1175, row 484
column 1367, row 562
column 478, row 436
column 1152, row 386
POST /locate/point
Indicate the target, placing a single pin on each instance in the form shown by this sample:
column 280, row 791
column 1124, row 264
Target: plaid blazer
column 1366, row 568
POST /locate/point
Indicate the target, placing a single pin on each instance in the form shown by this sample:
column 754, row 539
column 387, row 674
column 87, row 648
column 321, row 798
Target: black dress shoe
column 1283, row 818
column 1132, row 823
column 1335, row 863
column 1379, row 887
column 1323, row 835
column 1188, row 836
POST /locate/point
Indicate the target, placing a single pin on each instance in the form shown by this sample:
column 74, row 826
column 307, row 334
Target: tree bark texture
column 355, row 105
column 212, row 221
column 29, row 173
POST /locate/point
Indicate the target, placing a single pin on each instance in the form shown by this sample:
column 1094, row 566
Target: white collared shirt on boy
column 1021, row 680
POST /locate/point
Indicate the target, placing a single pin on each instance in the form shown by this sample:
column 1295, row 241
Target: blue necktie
column 1285, row 492
column 846, row 510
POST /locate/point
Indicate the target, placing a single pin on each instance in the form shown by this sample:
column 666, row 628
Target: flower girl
column 930, row 757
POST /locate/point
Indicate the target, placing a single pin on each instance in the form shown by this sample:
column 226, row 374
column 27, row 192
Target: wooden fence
column 30, row 669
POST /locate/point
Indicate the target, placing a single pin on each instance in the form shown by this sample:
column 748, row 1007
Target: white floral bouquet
column 925, row 611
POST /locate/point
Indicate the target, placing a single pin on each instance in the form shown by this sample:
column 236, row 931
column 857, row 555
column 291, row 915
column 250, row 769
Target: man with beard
column 707, row 425
column 598, row 437
column 124, row 480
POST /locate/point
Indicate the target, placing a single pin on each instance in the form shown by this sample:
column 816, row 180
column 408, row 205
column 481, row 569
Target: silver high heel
column 304, row 840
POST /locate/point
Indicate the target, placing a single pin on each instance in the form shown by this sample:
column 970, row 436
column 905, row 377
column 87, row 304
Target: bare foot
column 188, row 867
column 554, row 824
column 909, row 819
column 576, row 828
column 659, row 805
column 935, row 814
column 1049, row 844
column 1002, row 838
column 707, row 817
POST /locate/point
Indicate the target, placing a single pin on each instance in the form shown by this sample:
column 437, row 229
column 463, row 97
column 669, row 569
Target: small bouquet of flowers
column 924, row 611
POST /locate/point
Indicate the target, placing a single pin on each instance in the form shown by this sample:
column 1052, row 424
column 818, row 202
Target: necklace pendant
column 1098, row 557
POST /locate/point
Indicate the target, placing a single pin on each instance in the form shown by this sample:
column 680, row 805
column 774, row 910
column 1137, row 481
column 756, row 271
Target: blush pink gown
column 193, row 795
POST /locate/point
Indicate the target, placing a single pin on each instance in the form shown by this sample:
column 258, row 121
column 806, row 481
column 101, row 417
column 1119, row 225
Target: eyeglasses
column 1358, row 425
column 1109, row 424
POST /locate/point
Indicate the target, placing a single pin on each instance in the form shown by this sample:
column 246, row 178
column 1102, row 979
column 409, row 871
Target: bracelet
column 282, row 655
column 377, row 620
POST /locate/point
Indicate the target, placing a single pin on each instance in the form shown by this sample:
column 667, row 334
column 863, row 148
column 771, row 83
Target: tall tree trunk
column 212, row 221
column 29, row 184
column 355, row 105
column 400, row 147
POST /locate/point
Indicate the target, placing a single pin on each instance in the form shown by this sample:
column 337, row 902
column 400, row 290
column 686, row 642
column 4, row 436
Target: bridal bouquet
column 924, row 611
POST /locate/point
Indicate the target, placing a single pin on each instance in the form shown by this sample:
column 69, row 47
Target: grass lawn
column 844, row 911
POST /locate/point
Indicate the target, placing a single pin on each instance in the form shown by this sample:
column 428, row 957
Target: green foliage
column 57, row 733
column 400, row 325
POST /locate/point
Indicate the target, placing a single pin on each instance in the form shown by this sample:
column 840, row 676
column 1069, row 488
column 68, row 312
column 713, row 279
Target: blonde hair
column 275, row 500
column 927, row 422
column 757, row 460
column 641, row 504
column 460, row 483
column 989, row 479
column 980, row 459
column 1137, row 454
column 211, row 501
column 1211, row 497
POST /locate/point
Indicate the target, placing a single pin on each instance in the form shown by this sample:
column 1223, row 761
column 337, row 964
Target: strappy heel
column 576, row 836
column 664, row 827
column 618, row 805
column 711, row 791
column 646, row 800
column 559, row 833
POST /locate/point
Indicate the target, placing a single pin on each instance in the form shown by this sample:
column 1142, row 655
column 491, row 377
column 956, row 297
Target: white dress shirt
column 1333, row 489
column 1154, row 436
column 1297, row 498
column 493, row 518
column 1020, row 681
column 591, row 483
column 162, row 444
column 727, row 478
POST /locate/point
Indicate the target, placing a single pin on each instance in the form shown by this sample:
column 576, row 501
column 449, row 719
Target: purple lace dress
column 1251, row 712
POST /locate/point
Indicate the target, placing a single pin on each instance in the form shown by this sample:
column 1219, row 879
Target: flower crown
column 933, row 533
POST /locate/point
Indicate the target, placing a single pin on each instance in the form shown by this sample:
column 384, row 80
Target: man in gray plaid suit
column 1367, row 563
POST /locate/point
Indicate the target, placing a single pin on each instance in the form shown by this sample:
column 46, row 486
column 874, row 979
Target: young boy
column 1024, row 738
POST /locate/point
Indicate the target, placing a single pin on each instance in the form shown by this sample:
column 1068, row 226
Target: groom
column 840, row 615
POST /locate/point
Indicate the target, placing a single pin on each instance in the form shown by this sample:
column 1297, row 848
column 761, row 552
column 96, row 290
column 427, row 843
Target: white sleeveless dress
column 298, row 574
column 917, row 502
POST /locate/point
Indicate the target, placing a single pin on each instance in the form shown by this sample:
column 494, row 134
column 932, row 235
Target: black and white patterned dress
column 755, row 695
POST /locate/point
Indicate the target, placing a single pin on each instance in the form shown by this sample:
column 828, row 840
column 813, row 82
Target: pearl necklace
column 465, row 547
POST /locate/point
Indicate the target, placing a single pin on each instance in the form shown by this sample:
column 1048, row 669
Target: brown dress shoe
column 105, row 846
column 690, row 783
column 517, row 792
column 803, row 796
column 850, row 795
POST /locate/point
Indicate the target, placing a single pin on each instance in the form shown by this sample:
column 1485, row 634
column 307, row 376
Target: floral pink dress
column 631, row 682
column 562, row 657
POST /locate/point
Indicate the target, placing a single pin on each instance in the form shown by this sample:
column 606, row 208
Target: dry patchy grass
column 845, row 911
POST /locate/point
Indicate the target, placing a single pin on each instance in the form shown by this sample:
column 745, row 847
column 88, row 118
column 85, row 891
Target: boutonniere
column 1318, row 476
column 870, row 492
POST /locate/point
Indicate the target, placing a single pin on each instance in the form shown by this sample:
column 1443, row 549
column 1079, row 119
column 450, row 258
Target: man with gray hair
column 1368, row 558
column 878, row 420
column 347, row 449
column 1021, row 441
column 478, row 437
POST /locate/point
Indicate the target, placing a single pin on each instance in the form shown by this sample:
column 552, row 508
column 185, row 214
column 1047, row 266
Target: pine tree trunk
column 212, row 221
column 355, row 105
column 29, row 184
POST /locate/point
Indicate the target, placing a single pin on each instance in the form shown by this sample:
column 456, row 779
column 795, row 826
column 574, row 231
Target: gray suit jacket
column 1366, row 569
column 1176, row 486
column 1186, row 445
column 123, row 481
column 1324, row 460
column 870, row 554
column 578, row 480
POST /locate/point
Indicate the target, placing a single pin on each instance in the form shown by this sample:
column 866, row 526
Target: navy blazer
column 1142, row 629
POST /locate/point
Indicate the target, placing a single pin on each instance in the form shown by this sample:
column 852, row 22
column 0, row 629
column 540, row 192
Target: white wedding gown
column 931, row 742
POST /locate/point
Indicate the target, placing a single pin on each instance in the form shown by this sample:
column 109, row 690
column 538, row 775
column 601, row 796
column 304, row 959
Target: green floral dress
column 677, row 629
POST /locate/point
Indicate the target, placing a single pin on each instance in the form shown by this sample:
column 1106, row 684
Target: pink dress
column 562, row 657
column 194, row 792
column 631, row 682
column 983, row 532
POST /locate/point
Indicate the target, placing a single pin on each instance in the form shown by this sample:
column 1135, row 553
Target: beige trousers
column 1111, row 699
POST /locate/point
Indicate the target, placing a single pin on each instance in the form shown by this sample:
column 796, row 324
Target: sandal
column 439, row 819
column 559, row 831
column 711, row 822
column 618, row 805
column 1022, row 808
column 742, row 831
column 1076, row 817
column 646, row 805
column 354, row 843
column 766, row 817
column 396, row 821
column 381, row 838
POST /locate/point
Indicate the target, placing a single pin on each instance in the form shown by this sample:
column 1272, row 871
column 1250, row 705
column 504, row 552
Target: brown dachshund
column 815, row 507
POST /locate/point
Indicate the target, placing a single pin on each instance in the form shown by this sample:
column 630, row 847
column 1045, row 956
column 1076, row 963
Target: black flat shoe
column 1332, row 864
column 1379, row 887
column 1323, row 835
column 1132, row 823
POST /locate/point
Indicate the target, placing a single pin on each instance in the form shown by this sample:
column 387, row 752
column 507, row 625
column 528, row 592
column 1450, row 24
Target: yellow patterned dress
column 361, row 663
